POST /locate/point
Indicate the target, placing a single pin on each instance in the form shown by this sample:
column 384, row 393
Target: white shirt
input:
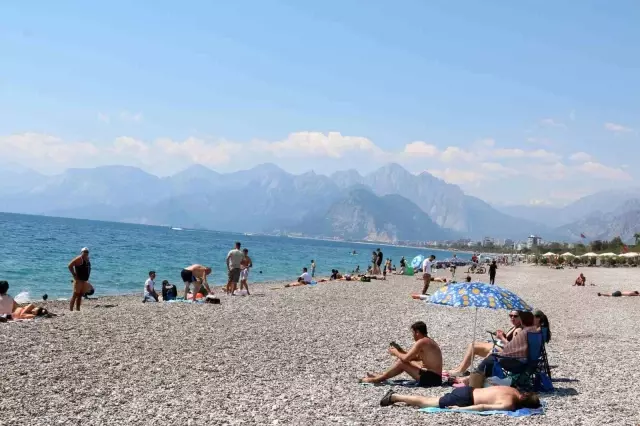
column 148, row 285
column 306, row 277
column 6, row 305
column 426, row 266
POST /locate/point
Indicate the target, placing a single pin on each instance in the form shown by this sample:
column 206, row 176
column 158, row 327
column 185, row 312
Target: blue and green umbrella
column 478, row 295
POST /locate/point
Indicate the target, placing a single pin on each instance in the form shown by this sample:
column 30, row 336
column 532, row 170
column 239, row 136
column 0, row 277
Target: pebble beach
column 294, row 356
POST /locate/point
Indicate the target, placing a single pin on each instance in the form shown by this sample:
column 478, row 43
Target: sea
column 35, row 252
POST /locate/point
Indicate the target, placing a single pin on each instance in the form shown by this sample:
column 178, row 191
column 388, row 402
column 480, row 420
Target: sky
column 531, row 102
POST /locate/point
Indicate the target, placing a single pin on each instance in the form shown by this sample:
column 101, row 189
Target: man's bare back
column 429, row 354
column 198, row 270
column 503, row 396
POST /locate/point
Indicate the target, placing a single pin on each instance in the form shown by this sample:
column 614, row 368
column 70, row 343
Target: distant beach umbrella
column 568, row 254
column 549, row 254
column 607, row 255
column 417, row 261
column 590, row 254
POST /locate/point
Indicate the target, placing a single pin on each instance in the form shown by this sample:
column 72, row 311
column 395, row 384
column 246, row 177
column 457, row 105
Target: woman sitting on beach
column 581, row 280
column 483, row 349
column 7, row 304
column 9, row 309
column 619, row 293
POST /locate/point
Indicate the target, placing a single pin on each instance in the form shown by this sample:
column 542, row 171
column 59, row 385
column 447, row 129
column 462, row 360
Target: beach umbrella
column 417, row 261
column 567, row 254
column 607, row 254
column 590, row 254
column 478, row 295
column 549, row 254
column 630, row 254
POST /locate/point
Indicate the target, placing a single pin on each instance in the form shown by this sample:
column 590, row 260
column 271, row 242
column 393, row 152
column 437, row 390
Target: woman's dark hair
column 528, row 400
column 419, row 327
column 544, row 325
column 4, row 287
column 526, row 318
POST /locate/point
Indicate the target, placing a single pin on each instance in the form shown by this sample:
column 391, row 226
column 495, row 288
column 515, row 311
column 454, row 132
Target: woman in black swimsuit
column 80, row 268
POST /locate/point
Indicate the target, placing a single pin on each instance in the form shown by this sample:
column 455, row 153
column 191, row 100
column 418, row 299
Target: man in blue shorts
column 467, row 398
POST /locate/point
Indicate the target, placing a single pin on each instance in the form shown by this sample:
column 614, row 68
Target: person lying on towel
column 467, row 398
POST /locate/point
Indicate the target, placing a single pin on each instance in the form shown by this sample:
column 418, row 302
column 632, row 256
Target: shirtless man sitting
column 423, row 362
column 469, row 399
column 581, row 280
column 196, row 274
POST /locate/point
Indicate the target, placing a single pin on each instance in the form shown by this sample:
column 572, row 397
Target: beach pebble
column 294, row 356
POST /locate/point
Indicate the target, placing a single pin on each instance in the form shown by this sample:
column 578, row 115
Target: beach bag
column 365, row 279
column 543, row 383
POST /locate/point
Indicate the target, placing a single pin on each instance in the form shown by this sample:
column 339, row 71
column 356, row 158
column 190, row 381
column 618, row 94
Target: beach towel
column 522, row 412
column 184, row 301
column 408, row 383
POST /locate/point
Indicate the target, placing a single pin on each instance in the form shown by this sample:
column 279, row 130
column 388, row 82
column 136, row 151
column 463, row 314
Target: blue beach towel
column 522, row 412
column 407, row 383
column 181, row 300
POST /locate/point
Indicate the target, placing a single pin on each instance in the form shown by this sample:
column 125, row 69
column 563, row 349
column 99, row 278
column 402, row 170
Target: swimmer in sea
column 245, row 264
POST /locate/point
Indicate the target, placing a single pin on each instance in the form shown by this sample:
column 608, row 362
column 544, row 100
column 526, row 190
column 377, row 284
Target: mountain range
column 389, row 204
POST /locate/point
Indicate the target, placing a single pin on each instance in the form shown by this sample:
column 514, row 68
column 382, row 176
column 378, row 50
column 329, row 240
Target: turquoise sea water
column 35, row 252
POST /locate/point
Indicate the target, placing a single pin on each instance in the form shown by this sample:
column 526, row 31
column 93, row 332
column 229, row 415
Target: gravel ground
column 294, row 356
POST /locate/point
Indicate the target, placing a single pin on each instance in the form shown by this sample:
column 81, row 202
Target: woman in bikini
column 483, row 349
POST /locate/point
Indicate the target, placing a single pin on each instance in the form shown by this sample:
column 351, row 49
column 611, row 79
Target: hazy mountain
column 446, row 204
column 600, row 202
column 624, row 222
column 264, row 198
column 15, row 178
column 362, row 215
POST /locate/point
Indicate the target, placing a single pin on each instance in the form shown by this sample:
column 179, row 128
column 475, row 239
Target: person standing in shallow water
column 492, row 272
column 80, row 268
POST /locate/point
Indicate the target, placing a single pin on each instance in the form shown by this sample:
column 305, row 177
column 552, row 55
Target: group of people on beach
column 238, row 265
column 424, row 363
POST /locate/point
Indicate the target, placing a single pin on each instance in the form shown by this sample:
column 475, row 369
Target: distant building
column 487, row 241
column 534, row 241
column 520, row 246
column 508, row 243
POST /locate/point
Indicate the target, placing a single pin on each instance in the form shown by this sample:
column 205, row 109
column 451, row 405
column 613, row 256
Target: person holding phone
column 423, row 361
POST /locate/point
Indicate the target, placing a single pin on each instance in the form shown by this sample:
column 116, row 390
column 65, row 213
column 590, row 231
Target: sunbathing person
column 303, row 279
column 423, row 361
column 581, row 280
column 30, row 311
column 470, row 399
column 620, row 293
column 483, row 349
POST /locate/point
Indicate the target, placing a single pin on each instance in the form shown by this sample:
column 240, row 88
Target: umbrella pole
column 473, row 340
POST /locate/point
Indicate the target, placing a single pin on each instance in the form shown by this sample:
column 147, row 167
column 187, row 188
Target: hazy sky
column 518, row 102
